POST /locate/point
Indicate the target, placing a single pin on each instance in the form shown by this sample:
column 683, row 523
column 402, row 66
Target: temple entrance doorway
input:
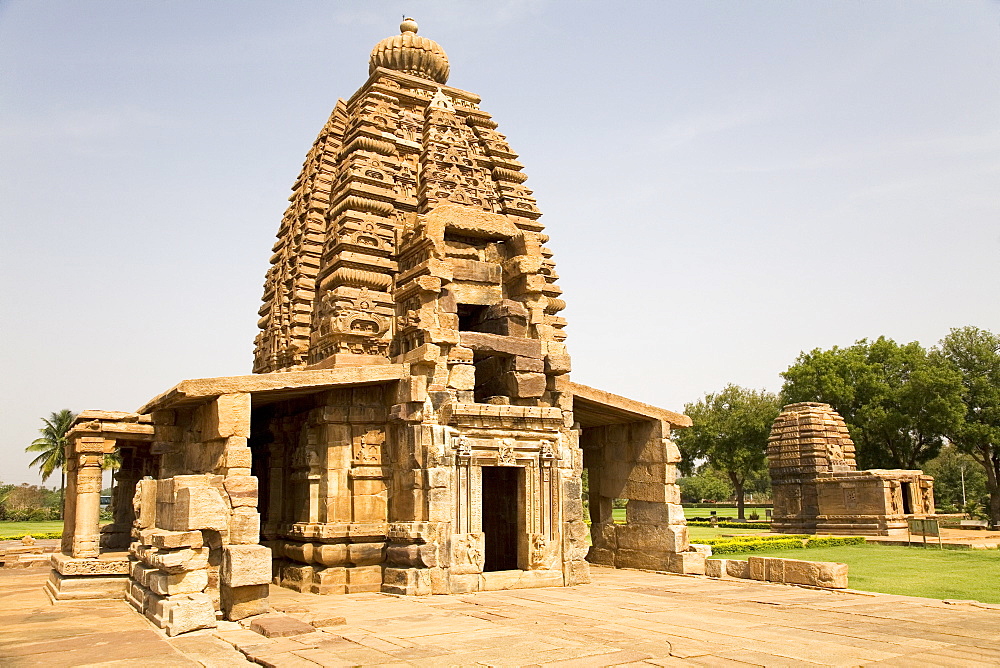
column 500, row 501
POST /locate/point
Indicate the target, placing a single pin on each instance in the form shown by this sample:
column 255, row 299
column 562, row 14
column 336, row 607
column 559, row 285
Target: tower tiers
column 410, row 230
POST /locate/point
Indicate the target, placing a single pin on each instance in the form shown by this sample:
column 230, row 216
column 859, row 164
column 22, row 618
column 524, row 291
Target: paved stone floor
column 622, row 618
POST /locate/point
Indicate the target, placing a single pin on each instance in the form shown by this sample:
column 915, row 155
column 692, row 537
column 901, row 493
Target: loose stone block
column 280, row 626
column 242, row 602
column 188, row 613
column 244, row 565
column 691, row 563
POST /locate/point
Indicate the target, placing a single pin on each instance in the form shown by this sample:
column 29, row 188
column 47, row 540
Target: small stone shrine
column 410, row 426
column 816, row 485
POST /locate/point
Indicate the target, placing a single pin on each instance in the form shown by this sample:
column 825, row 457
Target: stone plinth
column 75, row 579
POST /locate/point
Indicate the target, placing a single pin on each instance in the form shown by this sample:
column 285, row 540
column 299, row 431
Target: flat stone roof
column 275, row 386
column 593, row 408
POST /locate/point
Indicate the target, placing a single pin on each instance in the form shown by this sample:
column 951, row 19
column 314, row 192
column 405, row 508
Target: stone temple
column 818, row 488
column 410, row 426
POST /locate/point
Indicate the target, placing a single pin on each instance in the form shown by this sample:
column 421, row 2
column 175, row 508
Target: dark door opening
column 907, row 501
column 500, row 496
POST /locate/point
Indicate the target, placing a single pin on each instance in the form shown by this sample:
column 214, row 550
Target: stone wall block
column 757, row 568
column 330, row 581
column 715, row 568
column 774, row 569
column 244, row 526
column 144, row 503
column 601, row 556
column 366, row 554
column 242, row 490
column 168, row 584
column 801, row 572
column 236, row 456
column 332, row 555
column 832, row 574
column 297, row 577
column 364, row 579
column 738, row 568
column 645, row 512
column 228, row 415
column 170, row 540
column 244, row 565
column 653, row 561
column 556, row 364
column 462, row 377
column 407, row 581
column 180, row 560
column 200, row 508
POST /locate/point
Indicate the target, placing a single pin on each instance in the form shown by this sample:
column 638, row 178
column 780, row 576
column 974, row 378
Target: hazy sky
column 726, row 184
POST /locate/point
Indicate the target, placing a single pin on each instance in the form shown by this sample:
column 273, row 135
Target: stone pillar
column 86, row 532
column 69, row 501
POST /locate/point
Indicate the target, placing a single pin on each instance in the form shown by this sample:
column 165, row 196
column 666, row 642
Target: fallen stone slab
column 280, row 626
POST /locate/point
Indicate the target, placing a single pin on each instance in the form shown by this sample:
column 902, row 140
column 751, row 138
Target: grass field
column 912, row 571
column 724, row 512
column 19, row 528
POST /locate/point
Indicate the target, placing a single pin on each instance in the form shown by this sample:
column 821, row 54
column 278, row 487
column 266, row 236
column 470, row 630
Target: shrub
column 738, row 547
column 830, row 541
column 729, row 525
column 37, row 536
column 740, row 544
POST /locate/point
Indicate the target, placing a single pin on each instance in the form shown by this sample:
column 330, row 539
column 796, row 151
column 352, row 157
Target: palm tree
column 52, row 446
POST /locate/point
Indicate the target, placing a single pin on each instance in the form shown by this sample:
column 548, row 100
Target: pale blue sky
column 726, row 184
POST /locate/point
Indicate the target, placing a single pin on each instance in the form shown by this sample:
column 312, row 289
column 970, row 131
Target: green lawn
column 724, row 512
column 911, row 571
column 721, row 513
column 34, row 528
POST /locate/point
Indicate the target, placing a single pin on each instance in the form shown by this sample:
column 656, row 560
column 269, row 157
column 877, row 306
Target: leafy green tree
column 975, row 354
column 705, row 485
column 958, row 479
column 898, row 401
column 52, row 445
column 730, row 431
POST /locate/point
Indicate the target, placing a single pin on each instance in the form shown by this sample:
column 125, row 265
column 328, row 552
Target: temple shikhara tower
column 410, row 426
column 818, row 488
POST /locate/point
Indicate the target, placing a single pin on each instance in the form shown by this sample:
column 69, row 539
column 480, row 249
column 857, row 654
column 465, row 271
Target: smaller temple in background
column 818, row 488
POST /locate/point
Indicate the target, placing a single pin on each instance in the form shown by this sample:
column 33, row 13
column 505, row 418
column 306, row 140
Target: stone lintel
column 614, row 403
column 195, row 390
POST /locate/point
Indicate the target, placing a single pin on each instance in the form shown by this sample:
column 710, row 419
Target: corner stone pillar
column 86, row 532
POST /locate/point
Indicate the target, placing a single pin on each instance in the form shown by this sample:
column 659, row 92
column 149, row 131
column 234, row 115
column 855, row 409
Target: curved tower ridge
column 409, row 225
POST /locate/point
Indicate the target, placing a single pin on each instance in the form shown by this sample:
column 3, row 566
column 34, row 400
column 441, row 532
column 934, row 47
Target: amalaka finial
column 408, row 25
